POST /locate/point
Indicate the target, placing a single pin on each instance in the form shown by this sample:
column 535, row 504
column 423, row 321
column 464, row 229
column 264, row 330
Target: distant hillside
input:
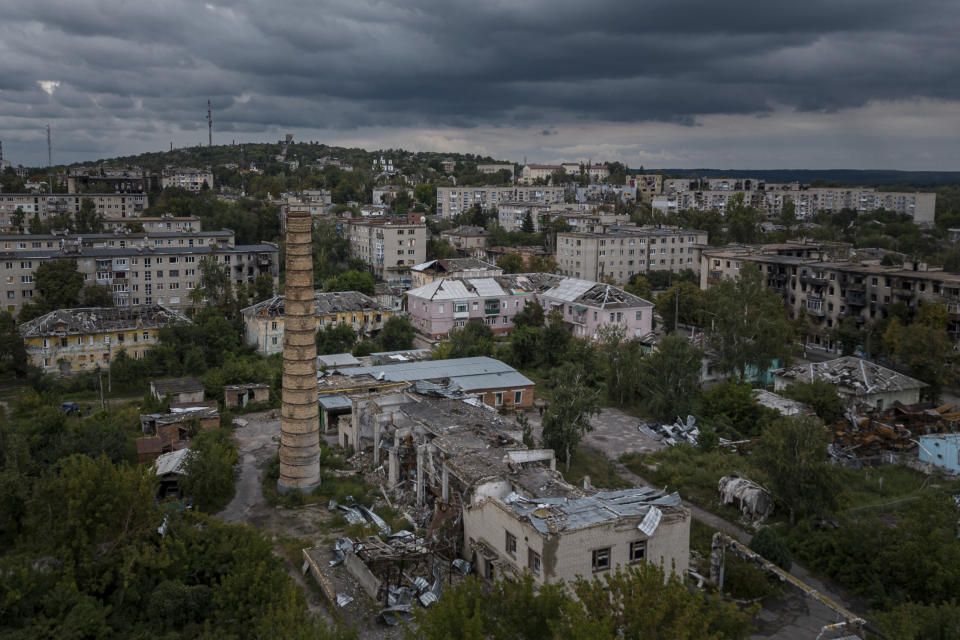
column 832, row 177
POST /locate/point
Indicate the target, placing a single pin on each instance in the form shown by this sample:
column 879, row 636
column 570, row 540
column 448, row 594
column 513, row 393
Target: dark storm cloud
column 129, row 69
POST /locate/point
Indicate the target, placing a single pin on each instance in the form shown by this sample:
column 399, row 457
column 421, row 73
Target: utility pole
column 49, row 162
column 209, row 125
column 676, row 310
column 109, row 368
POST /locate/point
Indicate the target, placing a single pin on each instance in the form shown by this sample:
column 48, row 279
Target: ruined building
column 300, row 426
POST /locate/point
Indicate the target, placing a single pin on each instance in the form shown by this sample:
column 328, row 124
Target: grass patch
column 331, row 488
column 602, row 472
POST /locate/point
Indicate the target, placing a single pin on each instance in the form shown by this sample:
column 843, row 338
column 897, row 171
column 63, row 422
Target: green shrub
column 769, row 544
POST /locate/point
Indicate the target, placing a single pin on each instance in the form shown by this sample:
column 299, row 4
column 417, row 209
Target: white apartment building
column 187, row 178
column 452, row 201
column 46, row 206
column 621, row 252
column 389, row 246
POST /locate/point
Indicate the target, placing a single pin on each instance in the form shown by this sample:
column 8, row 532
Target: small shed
column 169, row 469
column 180, row 389
column 240, row 395
column 149, row 448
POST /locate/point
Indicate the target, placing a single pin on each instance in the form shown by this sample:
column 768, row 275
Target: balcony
column 491, row 308
column 903, row 292
column 813, row 280
column 856, row 298
column 815, row 307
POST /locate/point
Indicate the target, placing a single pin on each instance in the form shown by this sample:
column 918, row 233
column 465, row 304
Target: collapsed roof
column 853, row 376
column 552, row 515
column 87, row 320
column 327, row 302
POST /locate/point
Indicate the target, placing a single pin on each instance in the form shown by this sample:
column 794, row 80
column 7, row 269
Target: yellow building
column 83, row 339
column 263, row 322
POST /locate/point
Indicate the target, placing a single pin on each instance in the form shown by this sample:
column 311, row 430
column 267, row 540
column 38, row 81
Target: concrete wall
column 941, row 451
column 569, row 554
column 361, row 574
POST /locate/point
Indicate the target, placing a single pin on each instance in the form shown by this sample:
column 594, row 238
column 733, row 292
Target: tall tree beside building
column 749, row 327
column 684, row 301
column 17, row 220
column 670, row 378
column 213, row 285
column 209, row 470
column 397, row 334
column 622, row 359
column 527, row 226
column 13, row 352
column 88, row 219
column 792, row 453
column 352, row 280
column 923, row 348
column 743, row 221
column 567, row 418
column 511, row 262
column 57, row 285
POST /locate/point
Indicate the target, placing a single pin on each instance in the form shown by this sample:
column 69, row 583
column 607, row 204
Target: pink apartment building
column 449, row 303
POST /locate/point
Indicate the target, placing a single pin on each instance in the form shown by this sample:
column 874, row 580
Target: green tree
column 683, row 300
column 526, row 346
column 475, row 339
column 209, row 470
column 848, row 335
column 96, row 296
column 438, row 249
column 88, row 219
column 511, row 262
column 788, row 215
column 567, row 418
column 213, row 285
column 262, row 288
column 820, row 395
column 670, row 378
column 792, row 453
column 397, row 334
column 923, row 348
column 642, row 602
column 767, row 543
column 353, row 280
column 36, row 226
column 17, row 220
column 640, row 287
column 743, row 221
column 527, row 226
column 555, row 338
column 426, row 193
column 57, row 284
column 750, row 327
column 730, row 405
column 531, row 315
column 335, row 338
column 622, row 358
column 13, row 352
column 559, row 177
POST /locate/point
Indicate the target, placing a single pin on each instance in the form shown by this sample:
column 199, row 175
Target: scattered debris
column 463, row 567
column 393, row 616
column 340, row 549
column 343, row 599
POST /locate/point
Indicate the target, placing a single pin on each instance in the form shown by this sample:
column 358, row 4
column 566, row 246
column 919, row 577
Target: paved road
column 256, row 436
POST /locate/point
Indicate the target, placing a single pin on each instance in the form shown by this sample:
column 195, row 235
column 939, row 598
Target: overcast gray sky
column 658, row 83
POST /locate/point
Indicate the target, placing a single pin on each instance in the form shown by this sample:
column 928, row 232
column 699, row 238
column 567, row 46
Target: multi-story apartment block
column 621, row 252
column 466, row 238
column 263, row 322
column 442, row 305
column 387, row 193
column 313, row 201
column 769, row 198
column 825, row 290
column 532, row 172
column 452, row 201
column 46, row 206
column 511, row 215
column 71, row 340
column 187, row 178
column 110, row 179
column 646, row 184
column 140, row 269
column 495, row 167
column 389, row 246
column 165, row 222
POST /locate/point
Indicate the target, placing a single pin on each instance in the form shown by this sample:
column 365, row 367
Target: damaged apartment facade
column 82, row 339
column 263, row 322
column 586, row 306
column 510, row 509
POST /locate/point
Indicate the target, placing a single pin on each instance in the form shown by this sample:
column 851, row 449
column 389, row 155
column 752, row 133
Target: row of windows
column 600, row 559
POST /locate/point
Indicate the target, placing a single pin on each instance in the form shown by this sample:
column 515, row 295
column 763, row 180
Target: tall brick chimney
column 300, row 424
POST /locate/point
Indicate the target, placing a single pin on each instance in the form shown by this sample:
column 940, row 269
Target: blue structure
column 941, row 450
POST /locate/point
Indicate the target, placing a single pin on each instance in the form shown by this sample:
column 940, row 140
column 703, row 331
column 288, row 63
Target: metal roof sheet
column 569, row 289
column 486, row 287
column 491, row 381
column 171, row 462
column 337, row 401
column 429, row 369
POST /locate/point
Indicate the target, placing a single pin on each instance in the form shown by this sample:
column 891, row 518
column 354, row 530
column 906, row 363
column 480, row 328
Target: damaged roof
column 452, row 265
column 177, row 385
column 468, row 374
column 551, row 287
column 853, row 376
column 327, row 302
column 553, row 515
column 86, row 320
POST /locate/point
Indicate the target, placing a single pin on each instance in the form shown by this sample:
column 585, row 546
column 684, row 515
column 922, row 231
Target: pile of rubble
column 864, row 433
column 672, row 434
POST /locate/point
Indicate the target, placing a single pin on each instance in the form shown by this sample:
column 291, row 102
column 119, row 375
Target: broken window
column 601, row 559
column 498, row 398
column 638, row 551
column 533, row 561
column 518, row 397
column 511, row 544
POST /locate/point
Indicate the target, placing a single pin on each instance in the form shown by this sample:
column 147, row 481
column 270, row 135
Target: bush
column 769, row 544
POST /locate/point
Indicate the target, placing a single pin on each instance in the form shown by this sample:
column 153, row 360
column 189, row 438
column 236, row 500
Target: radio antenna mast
column 209, row 125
